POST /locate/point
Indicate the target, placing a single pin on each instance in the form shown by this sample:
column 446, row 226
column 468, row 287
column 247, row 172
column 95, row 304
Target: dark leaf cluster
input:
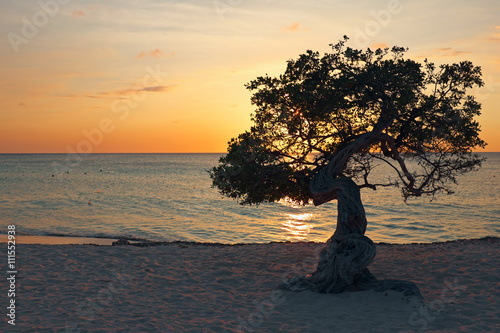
column 320, row 105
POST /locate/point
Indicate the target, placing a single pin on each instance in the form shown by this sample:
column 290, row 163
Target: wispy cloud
column 156, row 53
column 127, row 92
column 379, row 46
column 78, row 13
column 495, row 38
column 448, row 52
column 156, row 88
column 294, row 27
column 122, row 93
column 442, row 53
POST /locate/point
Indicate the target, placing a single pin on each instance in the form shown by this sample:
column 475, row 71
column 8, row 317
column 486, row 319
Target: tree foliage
column 416, row 117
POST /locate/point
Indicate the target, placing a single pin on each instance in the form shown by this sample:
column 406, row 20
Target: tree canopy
column 336, row 115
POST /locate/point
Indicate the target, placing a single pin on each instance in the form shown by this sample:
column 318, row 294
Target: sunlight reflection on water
column 296, row 227
column 167, row 197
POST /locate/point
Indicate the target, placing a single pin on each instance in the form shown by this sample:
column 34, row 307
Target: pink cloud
column 156, row 53
column 293, row 27
column 379, row 46
column 78, row 13
column 141, row 55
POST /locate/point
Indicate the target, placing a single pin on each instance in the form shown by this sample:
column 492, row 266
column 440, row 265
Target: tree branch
column 322, row 184
column 394, row 154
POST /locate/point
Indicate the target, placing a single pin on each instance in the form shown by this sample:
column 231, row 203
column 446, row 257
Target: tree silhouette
column 320, row 128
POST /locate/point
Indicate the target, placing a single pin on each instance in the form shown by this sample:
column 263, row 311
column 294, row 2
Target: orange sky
column 168, row 76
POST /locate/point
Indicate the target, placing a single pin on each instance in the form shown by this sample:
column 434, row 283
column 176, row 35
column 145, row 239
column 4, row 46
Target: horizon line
column 33, row 153
column 48, row 153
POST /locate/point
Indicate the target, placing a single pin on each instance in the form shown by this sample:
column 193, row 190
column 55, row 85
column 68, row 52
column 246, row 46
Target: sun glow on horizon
column 169, row 77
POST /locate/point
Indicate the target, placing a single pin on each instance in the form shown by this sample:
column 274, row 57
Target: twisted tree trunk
column 343, row 262
column 347, row 253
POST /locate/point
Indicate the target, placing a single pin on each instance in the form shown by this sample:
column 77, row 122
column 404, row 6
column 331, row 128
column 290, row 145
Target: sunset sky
column 168, row 76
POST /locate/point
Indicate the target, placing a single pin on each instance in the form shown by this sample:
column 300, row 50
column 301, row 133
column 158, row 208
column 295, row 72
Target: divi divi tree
column 321, row 127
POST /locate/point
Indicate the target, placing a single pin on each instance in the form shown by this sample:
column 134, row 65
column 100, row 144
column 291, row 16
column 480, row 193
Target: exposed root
column 341, row 262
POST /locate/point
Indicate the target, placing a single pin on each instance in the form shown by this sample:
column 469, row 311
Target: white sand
column 198, row 288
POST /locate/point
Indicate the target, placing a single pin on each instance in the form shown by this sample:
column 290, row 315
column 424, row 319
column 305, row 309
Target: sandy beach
column 183, row 287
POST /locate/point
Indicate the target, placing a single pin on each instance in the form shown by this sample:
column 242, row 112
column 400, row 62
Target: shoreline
column 98, row 241
column 58, row 240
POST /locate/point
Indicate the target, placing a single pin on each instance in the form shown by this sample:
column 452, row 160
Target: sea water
column 168, row 197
